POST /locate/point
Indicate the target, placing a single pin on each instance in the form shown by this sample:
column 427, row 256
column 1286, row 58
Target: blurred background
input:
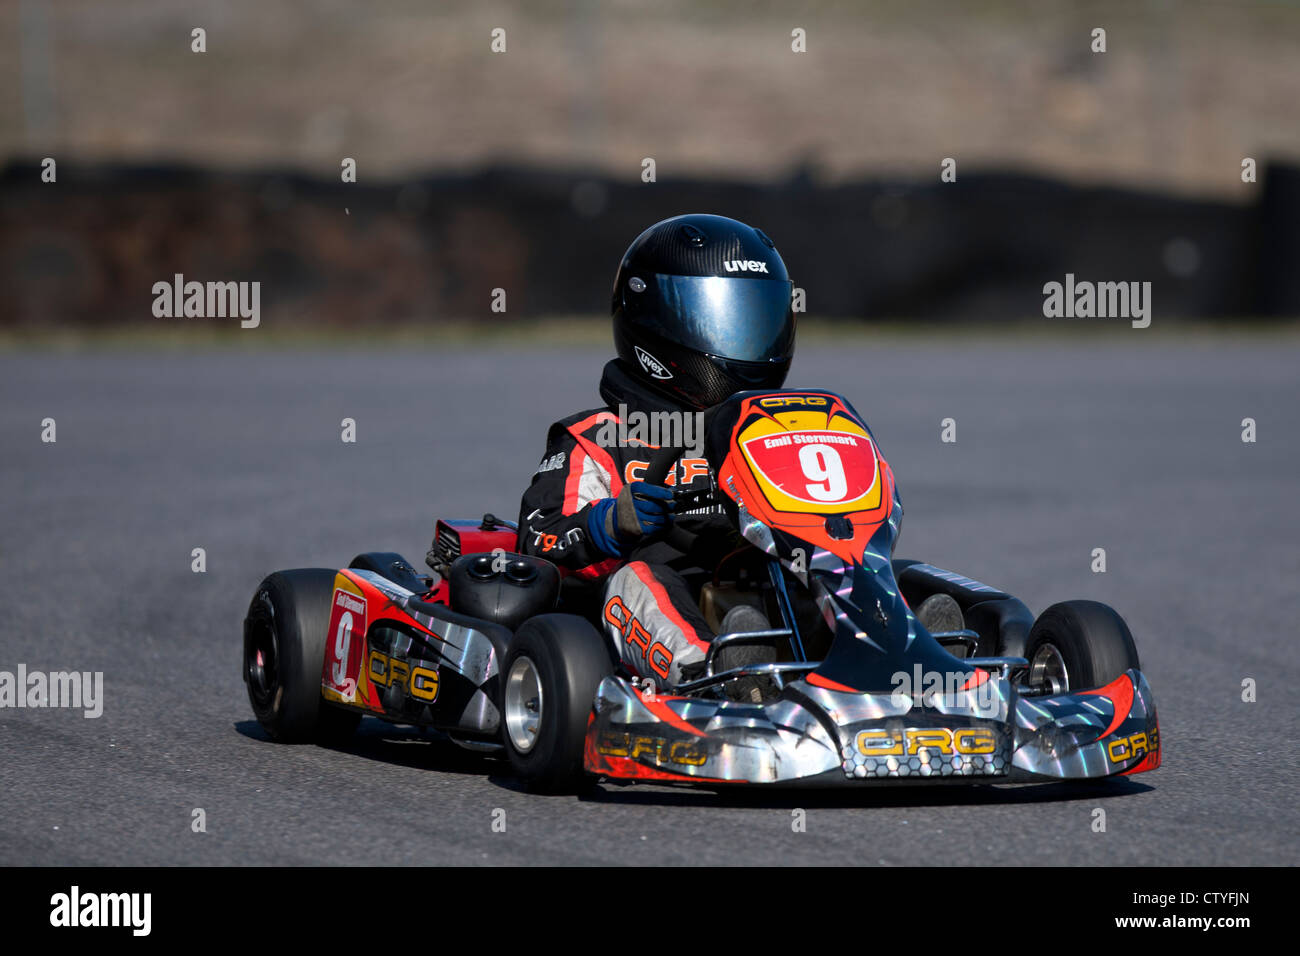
column 524, row 169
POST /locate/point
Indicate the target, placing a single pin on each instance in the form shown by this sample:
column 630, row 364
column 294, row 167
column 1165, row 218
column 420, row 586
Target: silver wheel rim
column 523, row 705
column 1047, row 670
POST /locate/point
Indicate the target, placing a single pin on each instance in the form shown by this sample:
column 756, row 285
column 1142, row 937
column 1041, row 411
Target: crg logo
column 652, row 365
column 745, row 265
column 777, row 401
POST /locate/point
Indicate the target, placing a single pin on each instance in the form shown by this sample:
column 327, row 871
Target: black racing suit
column 646, row 602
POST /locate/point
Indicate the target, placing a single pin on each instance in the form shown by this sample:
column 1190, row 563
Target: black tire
column 569, row 659
column 287, row 623
column 1092, row 639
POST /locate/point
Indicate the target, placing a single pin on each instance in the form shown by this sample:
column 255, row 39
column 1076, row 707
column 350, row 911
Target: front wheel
column 284, row 651
column 1079, row 645
column 552, row 670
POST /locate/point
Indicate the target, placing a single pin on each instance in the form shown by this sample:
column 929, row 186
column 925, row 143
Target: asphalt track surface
column 1062, row 447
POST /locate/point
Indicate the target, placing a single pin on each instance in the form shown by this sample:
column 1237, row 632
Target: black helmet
column 702, row 309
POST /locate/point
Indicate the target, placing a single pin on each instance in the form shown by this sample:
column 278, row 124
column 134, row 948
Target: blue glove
column 615, row 524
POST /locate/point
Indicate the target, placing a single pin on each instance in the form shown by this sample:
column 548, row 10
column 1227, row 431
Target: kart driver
column 701, row 310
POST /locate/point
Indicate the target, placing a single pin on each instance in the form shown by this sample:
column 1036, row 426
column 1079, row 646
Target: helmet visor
column 746, row 320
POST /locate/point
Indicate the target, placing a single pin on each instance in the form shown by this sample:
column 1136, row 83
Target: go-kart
column 885, row 669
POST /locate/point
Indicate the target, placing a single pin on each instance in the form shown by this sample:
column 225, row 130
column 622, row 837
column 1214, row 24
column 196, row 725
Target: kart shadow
column 869, row 795
column 401, row 746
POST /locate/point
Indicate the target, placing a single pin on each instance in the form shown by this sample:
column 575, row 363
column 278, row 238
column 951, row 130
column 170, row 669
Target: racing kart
column 486, row 650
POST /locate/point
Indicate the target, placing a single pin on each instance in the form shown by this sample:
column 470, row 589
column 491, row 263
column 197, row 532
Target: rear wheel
column 284, row 650
column 555, row 664
column 1079, row 645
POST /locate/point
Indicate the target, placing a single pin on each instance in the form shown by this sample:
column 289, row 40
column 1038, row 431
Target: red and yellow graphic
column 352, row 674
column 814, row 470
column 798, row 458
column 345, row 644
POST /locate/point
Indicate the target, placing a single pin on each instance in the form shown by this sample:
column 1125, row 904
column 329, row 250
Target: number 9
column 342, row 638
column 824, row 470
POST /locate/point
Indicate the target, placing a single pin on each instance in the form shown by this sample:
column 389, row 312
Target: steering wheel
column 656, row 473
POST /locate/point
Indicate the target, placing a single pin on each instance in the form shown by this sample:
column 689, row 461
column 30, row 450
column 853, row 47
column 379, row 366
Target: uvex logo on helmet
column 744, row 265
column 652, row 365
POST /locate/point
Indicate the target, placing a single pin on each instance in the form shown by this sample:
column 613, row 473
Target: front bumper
column 813, row 735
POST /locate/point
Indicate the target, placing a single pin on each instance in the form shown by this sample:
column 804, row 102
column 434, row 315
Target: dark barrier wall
column 88, row 248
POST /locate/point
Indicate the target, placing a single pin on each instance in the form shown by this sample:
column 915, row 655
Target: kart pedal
column 750, row 689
